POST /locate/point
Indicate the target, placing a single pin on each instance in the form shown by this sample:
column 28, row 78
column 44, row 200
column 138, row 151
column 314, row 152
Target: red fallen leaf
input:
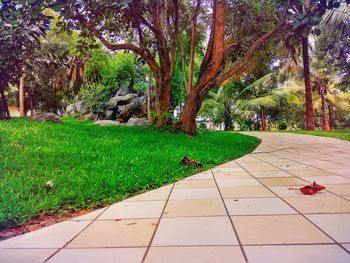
column 312, row 189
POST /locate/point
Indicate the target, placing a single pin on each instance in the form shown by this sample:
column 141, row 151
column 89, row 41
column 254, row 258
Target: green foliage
column 95, row 166
column 95, row 96
column 115, row 70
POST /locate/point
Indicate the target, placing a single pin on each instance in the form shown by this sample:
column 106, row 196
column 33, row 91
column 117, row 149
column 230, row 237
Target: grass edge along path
column 93, row 166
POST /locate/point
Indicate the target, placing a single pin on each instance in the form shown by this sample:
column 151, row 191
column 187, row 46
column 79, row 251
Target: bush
column 95, row 96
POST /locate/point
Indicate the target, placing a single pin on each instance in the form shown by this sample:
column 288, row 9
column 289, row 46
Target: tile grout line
column 229, row 217
column 301, row 214
column 160, row 218
column 81, row 231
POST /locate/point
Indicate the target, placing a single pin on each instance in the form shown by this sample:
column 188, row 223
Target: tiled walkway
column 240, row 211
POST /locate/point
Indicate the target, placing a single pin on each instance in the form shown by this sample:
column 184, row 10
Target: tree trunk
column 210, row 68
column 187, row 122
column 183, row 63
column 325, row 124
column 263, row 119
column 228, row 118
column 309, row 114
column 162, row 102
column 331, row 118
column 4, row 109
column 22, row 111
column 149, row 110
column 193, row 44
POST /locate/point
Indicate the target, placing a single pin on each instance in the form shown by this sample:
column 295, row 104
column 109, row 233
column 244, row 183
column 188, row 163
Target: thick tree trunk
column 22, row 111
column 263, row 119
column 309, row 114
column 149, row 110
column 187, row 122
column 162, row 102
column 325, row 124
column 331, row 118
column 210, row 68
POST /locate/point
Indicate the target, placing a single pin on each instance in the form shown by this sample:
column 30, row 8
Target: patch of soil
column 39, row 222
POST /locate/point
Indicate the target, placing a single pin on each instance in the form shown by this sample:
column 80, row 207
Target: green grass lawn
column 339, row 134
column 93, row 166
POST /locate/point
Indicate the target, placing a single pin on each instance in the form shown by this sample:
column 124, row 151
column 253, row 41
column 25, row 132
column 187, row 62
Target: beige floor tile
column 25, row 255
column 194, row 184
column 194, row 231
column 121, row 233
column 201, row 176
column 286, row 229
column 294, row 167
column 281, row 181
column 335, row 225
column 103, row 255
column 154, row 195
column 344, row 171
column 334, row 179
column 347, row 246
column 318, row 204
column 261, row 168
column 204, row 207
column 340, row 189
column 237, row 175
column 137, row 209
column 228, row 169
column 258, row 206
column 245, row 191
column 54, row 236
column 310, row 173
column 194, row 193
column 237, row 182
column 214, row 254
column 89, row 216
column 278, row 173
column 296, row 254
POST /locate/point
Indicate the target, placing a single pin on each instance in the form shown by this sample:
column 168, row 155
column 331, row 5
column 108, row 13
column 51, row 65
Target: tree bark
column 325, row 123
column 331, row 118
column 263, row 119
column 162, row 101
column 210, row 68
column 4, row 109
column 309, row 114
column 228, row 117
column 149, row 110
column 22, row 111
column 183, row 63
column 193, row 44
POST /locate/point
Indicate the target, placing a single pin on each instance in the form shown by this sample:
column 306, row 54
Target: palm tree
column 265, row 93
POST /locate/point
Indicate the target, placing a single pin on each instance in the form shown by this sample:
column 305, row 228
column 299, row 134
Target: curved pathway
column 237, row 212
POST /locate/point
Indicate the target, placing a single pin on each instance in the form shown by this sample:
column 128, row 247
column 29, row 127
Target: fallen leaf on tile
column 310, row 189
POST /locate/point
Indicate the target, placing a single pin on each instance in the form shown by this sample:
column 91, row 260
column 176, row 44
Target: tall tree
column 217, row 65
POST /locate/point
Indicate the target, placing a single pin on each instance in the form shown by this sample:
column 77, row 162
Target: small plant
column 95, row 96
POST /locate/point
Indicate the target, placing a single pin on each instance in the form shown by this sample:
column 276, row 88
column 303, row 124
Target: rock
column 138, row 122
column 78, row 107
column 107, row 123
column 88, row 116
column 120, row 101
column 52, row 117
column 123, row 91
column 133, row 109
